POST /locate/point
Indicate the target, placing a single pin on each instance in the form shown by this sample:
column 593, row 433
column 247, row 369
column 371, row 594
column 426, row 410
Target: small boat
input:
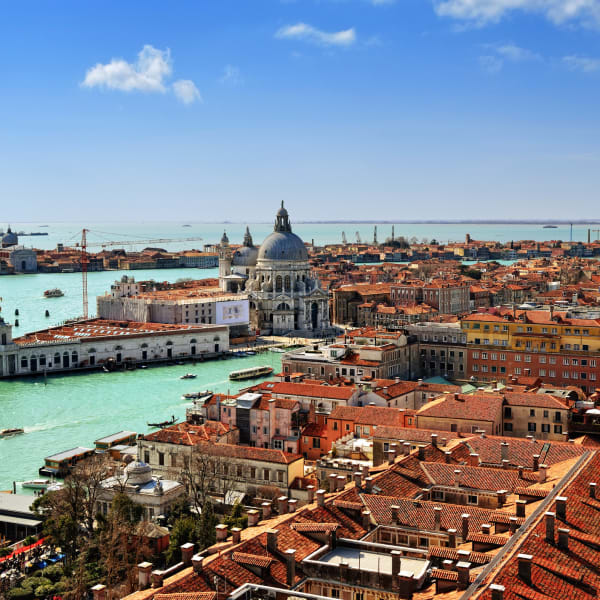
column 143, row 366
column 196, row 395
column 550, row 227
column 188, row 376
column 251, row 373
column 186, row 225
column 53, row 293
column 250, row 352
column 11, row 432
column 162, row 424
column 37, row 484
column 278, row 350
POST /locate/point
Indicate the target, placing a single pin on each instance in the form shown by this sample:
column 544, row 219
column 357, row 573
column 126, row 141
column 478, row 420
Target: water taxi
column 251, row 373
column 37, row 484
column 9, row 432
column 54, row 293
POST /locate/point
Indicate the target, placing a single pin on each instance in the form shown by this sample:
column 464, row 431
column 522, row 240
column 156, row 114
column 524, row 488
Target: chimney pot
column 272, row 540
column 320, row 497
column 437, row 514
column 447, row 457
column 536, row 462
column 592, row 490
column 474, row 459
column 464, row 570
column 524, row 567
column 99, row 590
column 236, row 533
column 187, row 551
column 395, row 510
column 266, row 507
column 513, row 524
column 505, row 463
column 290, row 559
column 197, row 561
column 292, row 505
column 253, row 517
column 357, row 478
column 282, row 505
column 486, row 529
column 144, row 569
column 451, row 538
column 221, row 531
column 465, row 526
column 406, row 448
column 520, row 506
column 341, row 482
column 550, row 519
column 561, row 507
column 447, row 565
column 434, row 440
column 366, row 519
column 369, row 485
column 563, row 538
column 421, row 452
column 497, row 591
column 543, row 473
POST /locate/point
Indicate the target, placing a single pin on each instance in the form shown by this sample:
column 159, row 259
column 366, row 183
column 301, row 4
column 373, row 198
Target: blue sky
column 344, row 108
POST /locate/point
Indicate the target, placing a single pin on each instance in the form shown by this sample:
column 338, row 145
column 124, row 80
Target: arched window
column 278, row 283
column 216, row 338
column 288, row 283
column 56, row 358
column 74, row 356
column 144, row 345
column 92, row 351
column 169, row 343
column 193, row 341
column 118, row 347
column 283, row 306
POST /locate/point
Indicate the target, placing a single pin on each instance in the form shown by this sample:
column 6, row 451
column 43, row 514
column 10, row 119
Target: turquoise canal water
column 75, row 410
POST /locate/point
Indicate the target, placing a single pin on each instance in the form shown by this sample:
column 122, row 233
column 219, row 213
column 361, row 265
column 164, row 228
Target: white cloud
column 516, row 53
column 582, row 63
column 482, row 12
column 490, row 63
column 231, row 75
column 147, row 74
column 186, row 91
column 308, row 33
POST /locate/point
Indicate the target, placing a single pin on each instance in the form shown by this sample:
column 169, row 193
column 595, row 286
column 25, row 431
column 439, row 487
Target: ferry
column 37, row 484
column 9, row 432
column 54, row 293
column 251, row 373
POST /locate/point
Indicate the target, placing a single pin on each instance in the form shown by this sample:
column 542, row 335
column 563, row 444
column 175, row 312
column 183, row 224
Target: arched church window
column 288, row 283
column 278, row 283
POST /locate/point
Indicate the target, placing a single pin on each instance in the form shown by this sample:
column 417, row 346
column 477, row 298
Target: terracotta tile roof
column 187, row 596
column 249, row 453
column 185, row 434
column 368, row 415
column 496, row 540
column 531, row 491
column 478, row 407
column 308, row 527
column 534, row 399
column 252, row 559
column 477, row 558
column 480, row 478
column 409, row 434
column 312, row 391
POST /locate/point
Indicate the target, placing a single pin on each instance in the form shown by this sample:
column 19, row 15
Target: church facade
column 285, row 297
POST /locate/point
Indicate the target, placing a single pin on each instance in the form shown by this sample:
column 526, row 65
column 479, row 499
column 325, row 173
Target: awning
column 19, row 521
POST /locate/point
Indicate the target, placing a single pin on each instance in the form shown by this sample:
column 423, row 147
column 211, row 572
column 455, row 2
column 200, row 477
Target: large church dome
column 282, row 244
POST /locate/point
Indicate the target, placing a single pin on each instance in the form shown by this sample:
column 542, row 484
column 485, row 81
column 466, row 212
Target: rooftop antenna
column 344, row 241
column 571, row 232
column 392, row 233
column 375, row 235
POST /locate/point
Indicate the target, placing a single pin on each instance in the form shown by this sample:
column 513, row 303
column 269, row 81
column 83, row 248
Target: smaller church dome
column 9, row 239
column 138, row 473
column 247, row 255
column 224, row 239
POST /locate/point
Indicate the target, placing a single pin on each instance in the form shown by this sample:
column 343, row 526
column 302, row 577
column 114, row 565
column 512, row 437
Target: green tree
column 236, row 518
column 207, row 535
column 185, row 530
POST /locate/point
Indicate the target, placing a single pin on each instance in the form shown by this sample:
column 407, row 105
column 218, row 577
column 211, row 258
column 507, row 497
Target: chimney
column 221, row 531
column 406, row 584
column 525, row 567
column 253, row 517
column 157, row 581
column 592, row 490
column 434, row 440
column 197, row 561
column 504, row 446
column 99, row 591
column 144, row 569
column 561, row 507
column 536, row 462
column 395, row 509
column 451, row 538
column 543, row 473
column 236, row 534
column 486, row 529
column 272, row 540
column 563, row 538
column 520, row 506
column 341, row 482
column 444, row 441
column 320, row 497
column 366, row 519
column 465, row 526
column 292, row 505
column 421, row 452
column 332, row 482
column 437, row 516
column 365, row 470
column 282, row 504
column 464, row 571
column 513, row 524
column 474, row 459
column 369, row 485
column 448, row 565
column 396, row 561
column 266, row 506
column 290, row 561
column 501, row 497
column 550, row 518
column 406, row 448
column 357, row 478
column 505, row 463
column 520, row 469
column 457, row 473
column 497, row 591
column 187, row 551
column 447, row 457
column 394, row 450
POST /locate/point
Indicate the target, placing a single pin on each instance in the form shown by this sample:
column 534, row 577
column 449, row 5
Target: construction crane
column 344, row 240
column 358, row 240
column 84, row 259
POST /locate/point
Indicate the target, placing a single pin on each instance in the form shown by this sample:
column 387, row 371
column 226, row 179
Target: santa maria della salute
column 284, row 297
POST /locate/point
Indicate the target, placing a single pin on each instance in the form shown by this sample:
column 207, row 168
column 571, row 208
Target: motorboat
column 37, row 484
column 251, row 373
column 196, row 395
column 11, row 432
column 53, row 293
column 278, row 350
column 188, row 376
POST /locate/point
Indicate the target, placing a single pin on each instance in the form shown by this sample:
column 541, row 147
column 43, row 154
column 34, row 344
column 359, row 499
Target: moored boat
column 162, row 424
column 279, row 350
column 188, row 376
column 251, row 373
column 54, row 293
column 37, row 484
column 9, row 432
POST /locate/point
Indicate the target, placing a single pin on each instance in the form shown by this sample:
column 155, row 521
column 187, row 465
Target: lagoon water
column 74, row 410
